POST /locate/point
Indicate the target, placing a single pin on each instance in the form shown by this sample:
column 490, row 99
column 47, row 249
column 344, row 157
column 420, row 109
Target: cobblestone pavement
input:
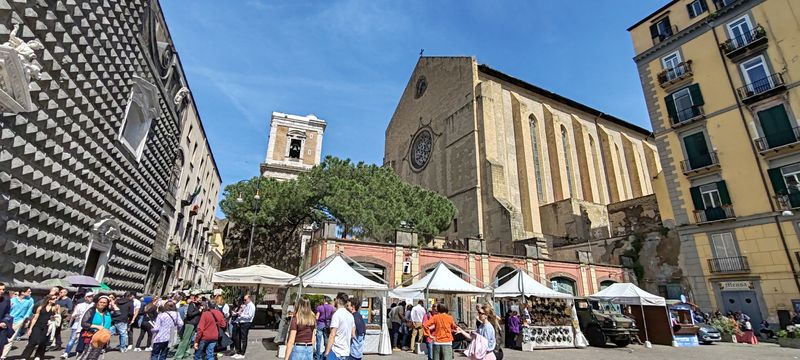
column 259, row 349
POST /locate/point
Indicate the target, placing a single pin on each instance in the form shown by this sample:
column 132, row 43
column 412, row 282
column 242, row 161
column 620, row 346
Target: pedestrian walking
column 342, row 331
column 21, row 311
column 121, row 312
column 442, row 327
column 65, row 302
column 6, row 321
column 74, row 322
column 166, row 322
column 148, row 319
column 302, row 332
column 241, row 327
column 190, row 321
column 137, row 309
column 38, row 338
column 417, row 316
column 427, row 332
column 396, row 317
column 208, row 328
column 95, row 329
column 406, row 328
column 324, row 314
column 357, row 344
column 514, row 329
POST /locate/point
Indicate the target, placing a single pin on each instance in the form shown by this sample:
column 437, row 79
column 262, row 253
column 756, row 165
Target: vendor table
column 544, row 337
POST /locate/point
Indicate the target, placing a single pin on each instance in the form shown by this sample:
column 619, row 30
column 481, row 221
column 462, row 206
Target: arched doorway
column 606, row 283
column 564, row 285
column 503, row 275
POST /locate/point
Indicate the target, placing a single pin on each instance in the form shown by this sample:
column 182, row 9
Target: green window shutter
column 697, row 199
column 697, row 96
column 776, row 178
column 653, row 31
column 673, row 114
column 723, row 193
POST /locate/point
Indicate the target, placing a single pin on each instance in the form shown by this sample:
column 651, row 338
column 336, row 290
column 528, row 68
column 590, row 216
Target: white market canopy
column 439, row 281
column 522, row 284
column 334, row 274
column 628, row 294
column 252, row 275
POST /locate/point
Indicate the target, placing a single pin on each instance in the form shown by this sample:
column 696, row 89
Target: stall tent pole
column 644, row 321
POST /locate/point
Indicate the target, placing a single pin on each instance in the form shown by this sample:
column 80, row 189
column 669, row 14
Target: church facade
column 520, row 163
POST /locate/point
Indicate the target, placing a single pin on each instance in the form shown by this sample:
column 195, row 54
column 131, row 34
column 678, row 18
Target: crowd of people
column 170, row 326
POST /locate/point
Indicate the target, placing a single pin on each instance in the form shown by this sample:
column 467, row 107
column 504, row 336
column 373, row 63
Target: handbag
column 223, row 340
column 498, row 352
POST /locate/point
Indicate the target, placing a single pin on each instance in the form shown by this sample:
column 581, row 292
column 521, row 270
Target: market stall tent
column 253, row 275
column 522, row 284
column 652, row 310
column 439, row 281
column 336, row 273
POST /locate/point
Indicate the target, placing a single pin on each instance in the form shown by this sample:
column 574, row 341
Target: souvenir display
column 547, row 337
column 550, row 312
column 551, row 324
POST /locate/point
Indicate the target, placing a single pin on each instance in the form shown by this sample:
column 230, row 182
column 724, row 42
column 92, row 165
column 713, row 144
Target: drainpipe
column 739, row 106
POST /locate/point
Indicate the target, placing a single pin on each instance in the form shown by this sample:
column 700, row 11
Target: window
column 563, row 285
column 295, row 147
column 671, row 63
column 740, row 31
column 606, row 283
column 696, row 8
column 684, row 104
column 567, row 158
column 778, row 130
column 661, row 30
column 697, row 153
column 537, row 166
column 791, row 177
column 710, row 196
column 139, row 114
column 756, row 75
column 724, row 246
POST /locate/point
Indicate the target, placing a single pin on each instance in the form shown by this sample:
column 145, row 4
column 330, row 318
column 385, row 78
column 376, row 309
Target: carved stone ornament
column 182, row 94
column 18, row 66
column 106, row 231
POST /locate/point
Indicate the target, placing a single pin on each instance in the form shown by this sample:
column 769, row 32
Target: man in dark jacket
column 122, row 310
column 190, row 322
column 6, row 320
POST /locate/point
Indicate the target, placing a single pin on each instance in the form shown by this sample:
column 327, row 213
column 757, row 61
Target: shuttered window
column 696, row 8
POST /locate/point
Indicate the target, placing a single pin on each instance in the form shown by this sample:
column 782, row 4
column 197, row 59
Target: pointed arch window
column 537, row 166
column 567, row 158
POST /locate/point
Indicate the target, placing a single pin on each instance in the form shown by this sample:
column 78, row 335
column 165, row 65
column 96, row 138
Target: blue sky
column 348, row 61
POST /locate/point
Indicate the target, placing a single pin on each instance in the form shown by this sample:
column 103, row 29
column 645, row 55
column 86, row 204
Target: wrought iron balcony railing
column 686, row 115
column 714, row 214
column 700, row 162
column 671, row 75
column 729, row 264
column 732, row 46
column 772, row 141
column 749, row 92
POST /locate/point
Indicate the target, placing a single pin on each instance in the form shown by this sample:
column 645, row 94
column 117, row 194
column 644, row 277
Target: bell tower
column 295, row 145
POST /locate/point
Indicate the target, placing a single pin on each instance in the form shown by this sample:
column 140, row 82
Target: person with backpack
column 95, row 325
column 324, row 314
column 212, row 321
column 148, row 318
column 166, row 322
column 190, row 321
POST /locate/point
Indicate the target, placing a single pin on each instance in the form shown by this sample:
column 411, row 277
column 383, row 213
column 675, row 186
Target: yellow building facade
column 720, row 82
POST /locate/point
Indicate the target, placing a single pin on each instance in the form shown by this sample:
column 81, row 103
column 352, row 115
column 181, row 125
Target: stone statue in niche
column 180, row 96
column 26, row 54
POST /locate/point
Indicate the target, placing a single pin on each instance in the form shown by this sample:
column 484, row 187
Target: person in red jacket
column 211, row 320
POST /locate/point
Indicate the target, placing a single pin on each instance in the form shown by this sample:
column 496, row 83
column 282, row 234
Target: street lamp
column 256, row 205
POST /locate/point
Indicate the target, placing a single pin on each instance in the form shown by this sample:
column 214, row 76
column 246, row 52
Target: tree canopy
column 367, row 201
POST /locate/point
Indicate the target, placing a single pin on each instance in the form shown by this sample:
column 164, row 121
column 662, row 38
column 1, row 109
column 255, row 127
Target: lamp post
column 256, row 205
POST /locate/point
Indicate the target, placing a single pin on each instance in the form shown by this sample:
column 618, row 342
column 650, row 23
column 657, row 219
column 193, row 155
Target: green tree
column 367, row 201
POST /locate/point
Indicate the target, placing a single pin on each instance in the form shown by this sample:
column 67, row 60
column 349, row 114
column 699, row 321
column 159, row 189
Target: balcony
column 778, row 142
column 720, row 4
column 687, row 116
column 736, row 264
column 745, row 44
column 724, row 212
column 762, row 88
column 672, row 76
column 672, row 30
column 790, row 200
column 701, row 164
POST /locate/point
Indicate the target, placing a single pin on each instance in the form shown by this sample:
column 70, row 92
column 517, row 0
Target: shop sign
column 741, row 285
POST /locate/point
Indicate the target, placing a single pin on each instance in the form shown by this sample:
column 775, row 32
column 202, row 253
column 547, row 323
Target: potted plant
column 725, row 327
column 790, row 337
